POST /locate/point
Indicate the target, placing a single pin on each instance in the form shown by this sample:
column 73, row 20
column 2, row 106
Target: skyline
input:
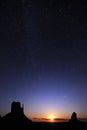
column 43, row 57
column 18, row 108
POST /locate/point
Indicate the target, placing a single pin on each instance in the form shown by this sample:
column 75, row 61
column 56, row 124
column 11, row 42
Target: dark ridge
column 16, row 119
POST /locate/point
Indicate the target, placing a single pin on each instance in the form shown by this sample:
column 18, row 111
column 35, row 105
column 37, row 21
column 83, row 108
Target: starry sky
column 43, row 56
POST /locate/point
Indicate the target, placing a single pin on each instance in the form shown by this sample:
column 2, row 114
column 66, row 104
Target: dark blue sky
column 43, row 55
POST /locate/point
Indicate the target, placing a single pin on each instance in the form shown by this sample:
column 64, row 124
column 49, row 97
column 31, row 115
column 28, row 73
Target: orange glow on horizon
column 51, row 117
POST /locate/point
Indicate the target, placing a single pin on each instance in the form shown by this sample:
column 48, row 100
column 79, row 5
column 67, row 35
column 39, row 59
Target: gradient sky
column 43, row 56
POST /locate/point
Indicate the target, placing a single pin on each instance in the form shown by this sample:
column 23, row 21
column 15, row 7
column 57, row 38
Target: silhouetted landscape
column 43, row 63
column 16, row 119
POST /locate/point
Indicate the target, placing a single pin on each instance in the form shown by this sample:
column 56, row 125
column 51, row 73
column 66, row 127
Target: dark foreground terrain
column 43, row 125
column 17, row 120
column 60, row 126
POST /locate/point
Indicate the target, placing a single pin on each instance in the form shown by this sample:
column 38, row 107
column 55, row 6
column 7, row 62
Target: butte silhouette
column 16, row 119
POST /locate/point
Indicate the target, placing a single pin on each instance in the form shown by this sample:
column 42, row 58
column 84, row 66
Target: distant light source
column 51, row 117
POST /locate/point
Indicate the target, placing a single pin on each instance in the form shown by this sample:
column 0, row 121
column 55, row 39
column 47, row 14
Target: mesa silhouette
column 17, row 120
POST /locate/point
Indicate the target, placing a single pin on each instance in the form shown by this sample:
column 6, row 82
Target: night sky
column 43, row 56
